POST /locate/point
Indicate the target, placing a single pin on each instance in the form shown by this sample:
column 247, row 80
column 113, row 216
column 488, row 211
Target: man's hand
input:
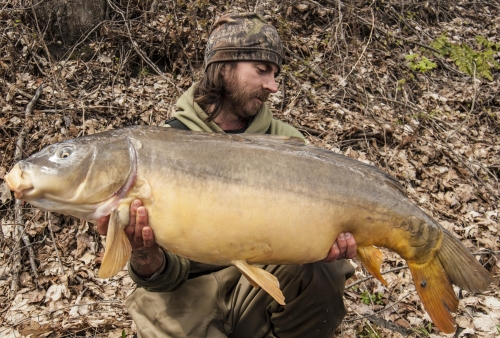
column 344, row 247
column 147, row 256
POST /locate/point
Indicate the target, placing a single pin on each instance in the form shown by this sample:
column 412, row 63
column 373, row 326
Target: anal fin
column 372, row 259
column 259, row 277
column 118, row 248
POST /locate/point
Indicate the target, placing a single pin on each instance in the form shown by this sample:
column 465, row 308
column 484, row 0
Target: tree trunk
column 65, row 21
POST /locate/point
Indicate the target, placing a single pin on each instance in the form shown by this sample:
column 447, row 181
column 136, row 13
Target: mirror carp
column 246, row 199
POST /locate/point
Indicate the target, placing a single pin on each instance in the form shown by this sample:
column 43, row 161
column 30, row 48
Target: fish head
column 74, row 177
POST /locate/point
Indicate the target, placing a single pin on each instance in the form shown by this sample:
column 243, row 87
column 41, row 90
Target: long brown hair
column 210, row 91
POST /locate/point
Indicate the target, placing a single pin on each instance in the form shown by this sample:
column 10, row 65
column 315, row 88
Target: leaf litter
column 346, row 84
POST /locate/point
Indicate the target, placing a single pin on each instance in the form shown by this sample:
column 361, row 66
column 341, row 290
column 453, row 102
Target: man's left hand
column 344, row 247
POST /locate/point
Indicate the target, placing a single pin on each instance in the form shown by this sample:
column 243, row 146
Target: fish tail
column 460, row 265
column 372, row 259
column 436, row 292
column 118, row 248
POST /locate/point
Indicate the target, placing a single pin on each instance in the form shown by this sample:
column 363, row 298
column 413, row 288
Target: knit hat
column 243, row 36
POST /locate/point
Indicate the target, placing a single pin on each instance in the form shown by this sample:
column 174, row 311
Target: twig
column 370, row 277
column 311, row 131
column 302, row 89
column 378, row 312
column 48, row 312
column 394, row 36
column 447, row 152
column 31, row 244
column 61, row 267
column 2, row 236
column 471, row 108
column 283, row 91
column 364, row 49
column 140, row 52
column 256, row 6
column 20, row 91
column 314, row 70
column 20, row 228
column 83, row 40
column 45, row 48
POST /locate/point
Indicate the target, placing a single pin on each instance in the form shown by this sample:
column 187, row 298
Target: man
column 181, row 298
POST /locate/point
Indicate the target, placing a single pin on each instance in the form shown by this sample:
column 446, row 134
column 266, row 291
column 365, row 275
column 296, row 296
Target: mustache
column 261, row 95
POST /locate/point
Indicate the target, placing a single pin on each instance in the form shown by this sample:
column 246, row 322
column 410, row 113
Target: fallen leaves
column 436, row 132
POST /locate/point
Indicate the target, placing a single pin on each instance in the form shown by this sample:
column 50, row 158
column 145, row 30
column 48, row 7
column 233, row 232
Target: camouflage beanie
column 243, row 36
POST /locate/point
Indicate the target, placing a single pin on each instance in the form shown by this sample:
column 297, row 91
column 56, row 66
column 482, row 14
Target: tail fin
column 462, row 268
column 453, row 264
column 436, row 293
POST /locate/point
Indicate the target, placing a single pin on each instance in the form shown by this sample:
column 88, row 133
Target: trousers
column 223, row 304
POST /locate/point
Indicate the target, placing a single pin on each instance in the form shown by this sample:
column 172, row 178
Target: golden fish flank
column 272, row 201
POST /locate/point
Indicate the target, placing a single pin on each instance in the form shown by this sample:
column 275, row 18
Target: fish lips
column 19, row 181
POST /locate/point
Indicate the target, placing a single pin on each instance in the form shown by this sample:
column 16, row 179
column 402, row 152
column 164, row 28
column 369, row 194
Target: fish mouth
column 19, row 194
column 19, row 182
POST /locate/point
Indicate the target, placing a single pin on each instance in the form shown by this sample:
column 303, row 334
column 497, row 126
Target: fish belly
column 217, row 223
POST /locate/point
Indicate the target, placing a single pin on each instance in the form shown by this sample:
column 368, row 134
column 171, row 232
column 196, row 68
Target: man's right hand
column 147, row 256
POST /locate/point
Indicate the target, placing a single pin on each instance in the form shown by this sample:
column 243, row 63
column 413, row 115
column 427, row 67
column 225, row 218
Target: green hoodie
column 176, row 270
column 191, row 114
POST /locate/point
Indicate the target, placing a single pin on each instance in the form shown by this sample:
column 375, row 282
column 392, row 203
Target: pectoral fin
column 259, row 277
column 118, row 248
column 141, row 189
column 372, row 259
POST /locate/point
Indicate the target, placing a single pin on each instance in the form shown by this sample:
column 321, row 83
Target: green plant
column 369, row 332
column 368, row 298
column 144, row 71
column 426, row 331
column 420, row 63
column 469, row 60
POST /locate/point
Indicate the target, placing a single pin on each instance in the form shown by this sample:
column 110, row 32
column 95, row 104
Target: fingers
column 333, row 254
column 351, row 246
column 138, row 231
column 148, row 239
column 102, row 225
column 135, row 222
column 344, row 247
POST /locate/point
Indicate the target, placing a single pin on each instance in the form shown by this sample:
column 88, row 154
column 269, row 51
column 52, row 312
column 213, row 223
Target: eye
column 65, row 152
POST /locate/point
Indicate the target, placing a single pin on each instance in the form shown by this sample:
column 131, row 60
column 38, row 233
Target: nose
column 270, row 83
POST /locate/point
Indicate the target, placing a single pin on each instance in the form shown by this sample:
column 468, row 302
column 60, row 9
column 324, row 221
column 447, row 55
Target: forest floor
column 409, row 86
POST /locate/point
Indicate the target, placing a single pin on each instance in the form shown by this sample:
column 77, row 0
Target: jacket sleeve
column 174, row 273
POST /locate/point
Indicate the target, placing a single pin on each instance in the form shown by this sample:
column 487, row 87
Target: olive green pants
column 224, row 304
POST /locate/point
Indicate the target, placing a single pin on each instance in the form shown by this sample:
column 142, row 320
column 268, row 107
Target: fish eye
column 65, row 152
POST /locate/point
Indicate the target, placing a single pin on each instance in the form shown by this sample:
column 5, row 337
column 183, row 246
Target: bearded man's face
column 247, row 85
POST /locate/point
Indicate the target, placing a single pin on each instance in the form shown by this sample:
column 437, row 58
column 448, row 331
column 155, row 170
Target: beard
column 240, row 100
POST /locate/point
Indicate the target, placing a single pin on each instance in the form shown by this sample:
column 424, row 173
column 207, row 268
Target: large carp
column 246, row 199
